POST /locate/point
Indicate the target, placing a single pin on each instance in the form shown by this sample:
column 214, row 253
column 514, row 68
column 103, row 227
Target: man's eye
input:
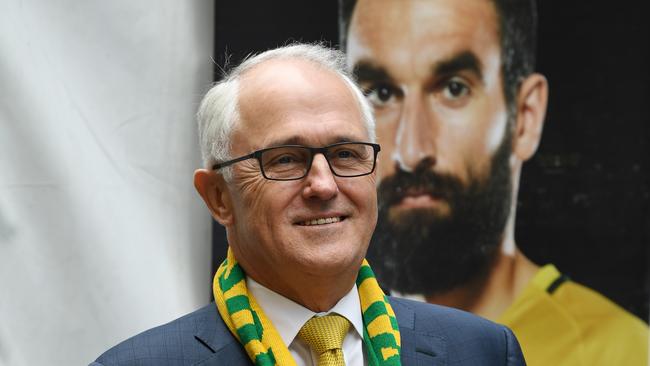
column 455, row 89
column 344, row 154
column 381, row 94
column 280, row 160
column 285, row 159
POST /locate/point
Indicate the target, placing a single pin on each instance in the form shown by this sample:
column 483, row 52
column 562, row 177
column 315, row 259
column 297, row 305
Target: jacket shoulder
column 434, row 318
column 173, row 343
column 459, row 336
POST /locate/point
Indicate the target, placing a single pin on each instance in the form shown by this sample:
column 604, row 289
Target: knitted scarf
column 248, row 323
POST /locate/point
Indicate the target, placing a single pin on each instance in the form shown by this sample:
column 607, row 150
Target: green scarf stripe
column 237, row 303
column 236, row 275
column 393, row 322
column 265, row 358
column 376, row 309
column 370, row 351
column 393, row 361
column 248, row 333
column 258, row 324
column 365, row 272
column 384, row 340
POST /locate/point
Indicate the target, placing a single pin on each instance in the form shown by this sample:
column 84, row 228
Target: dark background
column 584, row 199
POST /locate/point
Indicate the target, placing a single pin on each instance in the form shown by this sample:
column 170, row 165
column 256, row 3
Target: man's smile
column 322, row 220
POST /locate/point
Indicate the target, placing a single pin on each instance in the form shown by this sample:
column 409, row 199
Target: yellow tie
column 325, row 336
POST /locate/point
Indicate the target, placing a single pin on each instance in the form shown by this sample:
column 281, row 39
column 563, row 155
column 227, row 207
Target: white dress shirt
column 288, row 317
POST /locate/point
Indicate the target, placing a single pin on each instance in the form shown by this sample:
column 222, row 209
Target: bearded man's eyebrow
column 463, row 61
column 368, row 71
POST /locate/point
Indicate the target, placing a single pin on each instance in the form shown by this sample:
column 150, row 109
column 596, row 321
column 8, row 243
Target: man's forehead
column 408, row 11
column 270, row 73
column 286, row 78
column 307, row 134
column 296, row 101
column 397, row 32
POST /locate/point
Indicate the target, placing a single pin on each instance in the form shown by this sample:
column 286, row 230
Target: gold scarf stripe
column 380, row 325
column 243, row 317
column 387, row 352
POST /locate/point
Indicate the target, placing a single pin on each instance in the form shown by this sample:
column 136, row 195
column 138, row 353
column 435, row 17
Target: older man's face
column 295, row 102
column 431, row 68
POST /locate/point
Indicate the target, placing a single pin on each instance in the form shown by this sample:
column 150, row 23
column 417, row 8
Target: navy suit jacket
column 431, row 335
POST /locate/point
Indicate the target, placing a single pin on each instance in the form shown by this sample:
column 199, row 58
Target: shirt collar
column 288, row 317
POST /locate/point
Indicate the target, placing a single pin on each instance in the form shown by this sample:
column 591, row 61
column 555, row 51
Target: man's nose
column 416, row 135
column 320, row 182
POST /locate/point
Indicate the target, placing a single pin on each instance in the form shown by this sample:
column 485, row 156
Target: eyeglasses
column 292, row 162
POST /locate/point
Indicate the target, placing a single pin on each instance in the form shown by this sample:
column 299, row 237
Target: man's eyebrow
column 368, row 71
column 365, row 71
column 463, row 61
column 293, row 140
column 298, row 140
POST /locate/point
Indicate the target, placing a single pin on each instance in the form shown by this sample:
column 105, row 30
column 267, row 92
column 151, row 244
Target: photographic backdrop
column 584, row 197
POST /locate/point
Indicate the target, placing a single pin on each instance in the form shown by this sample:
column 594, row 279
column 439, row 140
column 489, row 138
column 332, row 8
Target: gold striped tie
column 325, row 336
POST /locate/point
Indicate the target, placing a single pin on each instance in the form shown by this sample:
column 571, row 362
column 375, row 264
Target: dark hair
column 518, row 33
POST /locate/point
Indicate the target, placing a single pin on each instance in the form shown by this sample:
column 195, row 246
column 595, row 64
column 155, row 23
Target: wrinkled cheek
column 249, row 200
column 249, row 184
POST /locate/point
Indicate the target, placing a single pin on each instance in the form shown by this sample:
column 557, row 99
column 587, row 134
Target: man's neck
column 490, row 296
column 316, row 293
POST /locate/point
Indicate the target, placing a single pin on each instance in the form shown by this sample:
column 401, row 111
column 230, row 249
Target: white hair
column 219, row 109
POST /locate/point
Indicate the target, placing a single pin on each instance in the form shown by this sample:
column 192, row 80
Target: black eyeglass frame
column 313, row 151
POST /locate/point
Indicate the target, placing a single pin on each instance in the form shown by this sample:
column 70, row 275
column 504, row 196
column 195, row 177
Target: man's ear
column 531, row 110
column 214, row 191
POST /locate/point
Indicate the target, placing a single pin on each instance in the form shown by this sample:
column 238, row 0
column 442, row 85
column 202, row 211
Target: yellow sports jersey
column 559, row 322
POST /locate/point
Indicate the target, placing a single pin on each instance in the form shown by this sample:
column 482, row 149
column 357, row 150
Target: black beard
column 420, row 252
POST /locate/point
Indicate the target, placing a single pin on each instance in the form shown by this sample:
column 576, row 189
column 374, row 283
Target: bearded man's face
column 432, row 71
column 426, row 251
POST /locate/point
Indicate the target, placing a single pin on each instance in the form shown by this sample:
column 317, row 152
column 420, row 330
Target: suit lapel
column 213, row 334
column 417, row 348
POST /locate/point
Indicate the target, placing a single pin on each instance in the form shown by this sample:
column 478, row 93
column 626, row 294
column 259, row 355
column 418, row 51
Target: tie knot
column 325, row 333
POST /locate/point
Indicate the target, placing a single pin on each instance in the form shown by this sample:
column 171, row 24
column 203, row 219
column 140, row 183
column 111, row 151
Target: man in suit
column 288, row 146
column 459, row 110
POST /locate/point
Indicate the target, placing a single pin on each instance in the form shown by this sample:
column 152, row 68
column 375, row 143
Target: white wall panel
column 101, row 232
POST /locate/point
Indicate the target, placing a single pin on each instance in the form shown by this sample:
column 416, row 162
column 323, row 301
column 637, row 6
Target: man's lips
column 322, row 220
column 422, row 200
column 418, row 198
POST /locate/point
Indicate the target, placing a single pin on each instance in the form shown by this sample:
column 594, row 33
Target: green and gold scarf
column 248, row 323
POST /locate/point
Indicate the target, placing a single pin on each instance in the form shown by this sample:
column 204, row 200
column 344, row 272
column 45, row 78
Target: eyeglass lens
column 290, row 162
